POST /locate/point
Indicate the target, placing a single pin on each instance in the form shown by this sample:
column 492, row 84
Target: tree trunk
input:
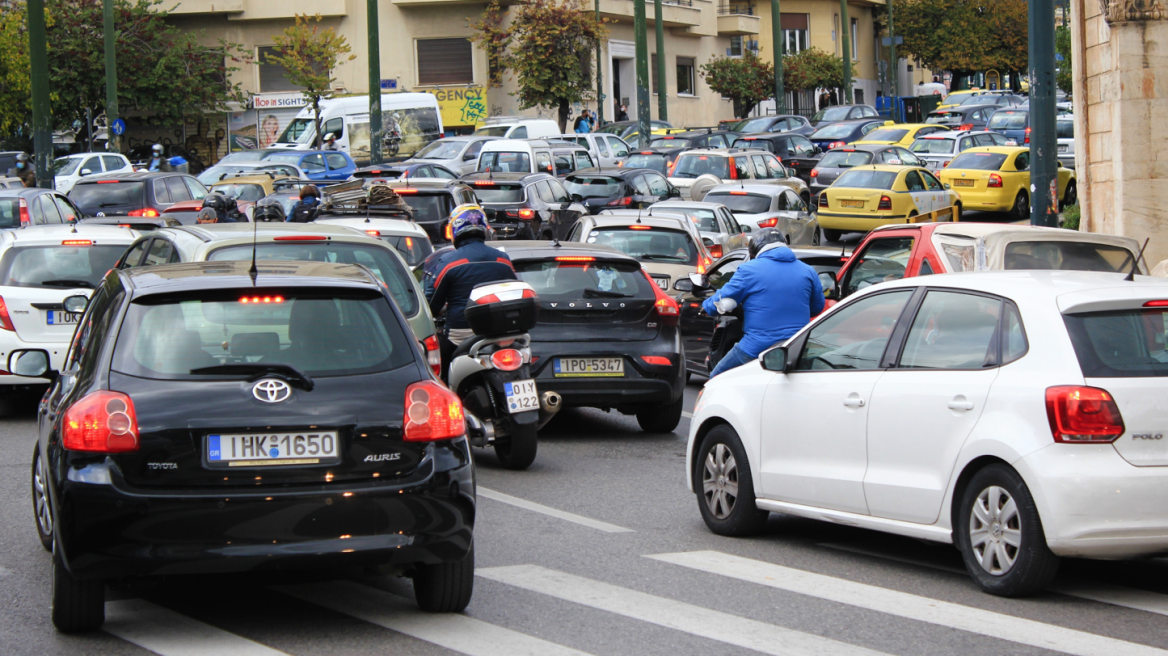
column 563, row 112
column 316, row 119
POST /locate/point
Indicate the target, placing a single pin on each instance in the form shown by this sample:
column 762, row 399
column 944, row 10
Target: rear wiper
column 662, row 257
column 67, row 283
column 600, row 293
column 258, row 370
column 109, row 204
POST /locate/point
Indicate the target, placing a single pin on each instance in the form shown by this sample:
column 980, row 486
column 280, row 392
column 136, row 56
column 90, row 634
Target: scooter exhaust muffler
column 549, row 404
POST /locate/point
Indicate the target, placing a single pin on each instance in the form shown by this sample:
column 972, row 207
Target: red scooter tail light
column 433, row 354
column 1083, row 415
column 101, row 422
column 432, row 413
column 507, row 359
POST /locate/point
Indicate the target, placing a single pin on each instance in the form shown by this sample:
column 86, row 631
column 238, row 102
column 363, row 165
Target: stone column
column 1120, row 51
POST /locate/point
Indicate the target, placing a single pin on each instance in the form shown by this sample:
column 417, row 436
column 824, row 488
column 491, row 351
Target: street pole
column 42, row 128
column 113, row 141
column 1043, row 156
column 662, row 105
column 846, row 51
column 599, row 75
column 642, row 73
column 777, row 44
column 375, row 83
column 891, row 57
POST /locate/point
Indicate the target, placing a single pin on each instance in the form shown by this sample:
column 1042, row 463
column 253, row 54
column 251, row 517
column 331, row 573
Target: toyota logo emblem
column 271, row 391
column 101, row 213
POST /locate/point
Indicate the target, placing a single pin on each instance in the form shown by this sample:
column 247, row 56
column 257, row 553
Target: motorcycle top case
column 499, row 309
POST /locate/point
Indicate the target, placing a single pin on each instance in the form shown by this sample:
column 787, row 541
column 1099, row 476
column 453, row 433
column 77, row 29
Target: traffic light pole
column 659, row 24
column 777, row 44
column 1043, row 142
column 42, row 127
column 642, row 72
column 599, row 75
column 892, row 91
column 113, row 140
column 375, row 83
column 846, row 51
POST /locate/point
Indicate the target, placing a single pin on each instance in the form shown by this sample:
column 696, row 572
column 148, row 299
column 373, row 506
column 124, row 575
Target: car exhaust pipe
column 549, row 404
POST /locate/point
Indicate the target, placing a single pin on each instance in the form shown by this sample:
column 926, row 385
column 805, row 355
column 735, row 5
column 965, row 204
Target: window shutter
column 445, row 61
column 273, row 77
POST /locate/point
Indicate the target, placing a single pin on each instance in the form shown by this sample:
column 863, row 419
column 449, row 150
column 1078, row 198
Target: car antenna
column 1131, row 275
column 253, row 271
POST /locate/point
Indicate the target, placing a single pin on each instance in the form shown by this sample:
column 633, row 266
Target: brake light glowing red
column 995, row 180
column 733, row 169
column 965, row 126
column 449, row 233
column 108, row 181
column 769, row 223
column 815, row 173
column 715, row 250
column 76, row 242
column 738, row 193
column 656, row 360
column 101, row 422
column 836, row 144
column 300, row 238
column 149, row 212
column 433, row 354
column 406, row 191
column 1082, row 415
column 666, row 307
column 885, row 203
column 507, row 359
column 256, row 300
column 481, row 183
column 5, row 320
column 433, row 412
column 574, row 258
column 24, row 217
column 1160, row 303
column 1027, row 140
column 640, row 227
column 526, row 214
column 621, row 202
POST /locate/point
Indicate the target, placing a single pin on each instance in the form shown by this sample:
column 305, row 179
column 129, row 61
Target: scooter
column 491, row 373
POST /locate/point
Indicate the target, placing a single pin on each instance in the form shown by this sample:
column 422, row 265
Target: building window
column 859, row 96
column 855, row 38
column 735, row 47
column 796, row 37
column 445, row 61
column 685, row 77
column 273, row 77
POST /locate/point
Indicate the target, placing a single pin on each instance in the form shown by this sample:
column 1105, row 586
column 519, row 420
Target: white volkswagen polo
column 42, row 266
column 1019, row 415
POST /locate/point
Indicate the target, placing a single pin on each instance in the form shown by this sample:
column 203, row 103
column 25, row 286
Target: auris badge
column 271, row 390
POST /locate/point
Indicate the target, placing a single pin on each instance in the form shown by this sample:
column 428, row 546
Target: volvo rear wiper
column 257, row 371
column 62, row 282
column 600, row 293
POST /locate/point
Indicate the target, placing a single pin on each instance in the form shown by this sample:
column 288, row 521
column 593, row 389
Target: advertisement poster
column 404, row 132
column 274, row 111
column 463, row 106
column 242, row 128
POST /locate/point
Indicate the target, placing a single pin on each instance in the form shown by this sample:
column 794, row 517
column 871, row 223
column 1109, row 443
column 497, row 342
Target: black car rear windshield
column 691, row 166
column 840, row 159
column 656, row 162
column 584, row 278
column 831, row 114
column 1067, row 256
column 978, row 161
column 648, row 244
column 498, row 192
column 593, row 186
column 64, row 266
column 741, row 203
column 757, row 144
column 107, row 194
column 1122, row 344
column 837, row 131
column 428, row 207
column 382, row 263
column 320, row 332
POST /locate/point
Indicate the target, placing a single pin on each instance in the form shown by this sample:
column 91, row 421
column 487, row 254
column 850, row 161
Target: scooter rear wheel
column 517, row 451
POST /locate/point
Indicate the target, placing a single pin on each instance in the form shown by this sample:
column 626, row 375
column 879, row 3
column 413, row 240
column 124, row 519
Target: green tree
column 1062, row 46
column 813, row 69
column 15, row 86
column 309, row 55
column 548, row 46
column 746, row 80
column 964, row 36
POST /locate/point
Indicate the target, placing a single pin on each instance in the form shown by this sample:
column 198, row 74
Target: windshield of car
column 287, row 158
column 844, row 159
column 107, row 194
column 943, row 117
column 1008, row 120
column 382, row 263
column 320, row 332
column 1065, row 129
column 837, row 131
column 983, row 99
column 505, row 162
column 593, row 186
column 753, row 125
column 932, row 146
column 648, row 244
column 887, row 134
column 66, row 165
column 555, row 280
column 497, row 131
column 691, row 166
column 656, row 162
column 957, row 98
column 240, row 191
column 1120, row 344
column 704, row 219
column 299, row 131
column 740, row 203
column 59, row 267
column 441, row 150
column 866, row 179
column 669, row 142
column 758, row 144
column 978, row 161
column 1067, row 256
column 429, row 207
column 498, row 192
column 831, row 114
column 413, row 250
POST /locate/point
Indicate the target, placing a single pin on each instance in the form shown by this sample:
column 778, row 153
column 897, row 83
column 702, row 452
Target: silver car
column 605, row 149
column 459, row 154
column 696, row 171
column 769, row 206
column 720, row 230
column 936, row 150
column 1065, row 131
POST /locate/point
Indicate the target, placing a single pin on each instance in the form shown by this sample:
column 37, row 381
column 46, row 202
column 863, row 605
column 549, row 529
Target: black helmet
column 229, row 204
column 268, row 209
column 309, row 190
column 763, row 238
column 215, row 202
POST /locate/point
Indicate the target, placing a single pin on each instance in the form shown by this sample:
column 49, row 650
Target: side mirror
column 827, row 281
column 674, row 192
column 76, row 304
column 86, row 172
column 947, row 185
column 775, row 359
column 29, row 363
column 577, row 198
column 698, row 280
column 745, row 228
column 468, row 157
column 683, row 285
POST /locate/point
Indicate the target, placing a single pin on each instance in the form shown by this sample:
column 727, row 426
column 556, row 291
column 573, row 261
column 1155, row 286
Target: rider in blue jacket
column 778, row 294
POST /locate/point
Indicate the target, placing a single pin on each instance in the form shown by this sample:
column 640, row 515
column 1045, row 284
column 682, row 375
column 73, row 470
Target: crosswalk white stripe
column 687, row 415
column 168, row 633
column 695, row 620
column 1114, row 594
column 903, row 604
column 552, row 512
column 452, row 631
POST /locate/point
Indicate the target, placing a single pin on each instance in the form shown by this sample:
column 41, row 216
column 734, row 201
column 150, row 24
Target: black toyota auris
column 211, row 420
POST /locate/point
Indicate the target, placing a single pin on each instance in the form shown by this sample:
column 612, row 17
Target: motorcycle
column 491, row 373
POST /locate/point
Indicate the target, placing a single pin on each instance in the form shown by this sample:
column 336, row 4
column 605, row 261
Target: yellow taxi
column 900, row 134
column 955, row 98
column 997, row 179
column 248, row 187
column 866, row 197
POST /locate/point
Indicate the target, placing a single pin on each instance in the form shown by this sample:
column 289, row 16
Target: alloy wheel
column 995, row 530
column 44, row 512
column 720, row 481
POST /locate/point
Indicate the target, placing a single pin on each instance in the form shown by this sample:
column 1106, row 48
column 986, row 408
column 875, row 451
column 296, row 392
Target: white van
column 410, row 120
column 518, row 127
column 516, row 156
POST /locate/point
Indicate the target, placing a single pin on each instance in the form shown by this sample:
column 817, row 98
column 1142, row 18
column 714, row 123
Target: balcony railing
column 736, row 10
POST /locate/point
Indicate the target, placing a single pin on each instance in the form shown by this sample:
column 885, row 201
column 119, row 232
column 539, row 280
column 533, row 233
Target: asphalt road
column 599, row 549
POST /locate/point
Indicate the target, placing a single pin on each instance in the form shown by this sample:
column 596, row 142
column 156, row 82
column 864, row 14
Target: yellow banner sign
column 462, row 106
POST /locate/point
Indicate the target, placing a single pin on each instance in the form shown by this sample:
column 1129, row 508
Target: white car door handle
column 960, row 403
column 854, row 402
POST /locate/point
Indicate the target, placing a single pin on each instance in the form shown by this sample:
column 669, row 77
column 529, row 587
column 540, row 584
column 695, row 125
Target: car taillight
column 432, row 413
column 5, row 320
column 527, row 214
column 815, row 173
column 666, row 307
column 1027, row 140
column 621, row 202
column 449, row 233
column 965, row 126
column 733, row 169
column 715, row 250
column 672, row 167
column 25, row 219
column 507, row 359
column 149, row 211
column 885, row 203
column 995, row 180
column 433, row 354
column 769, row 223
column 823, row 200
column 945, row 163
column 658, row 360
column 301, row 238
column 1082, row 415
column 101, row 422
column 836, row 144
